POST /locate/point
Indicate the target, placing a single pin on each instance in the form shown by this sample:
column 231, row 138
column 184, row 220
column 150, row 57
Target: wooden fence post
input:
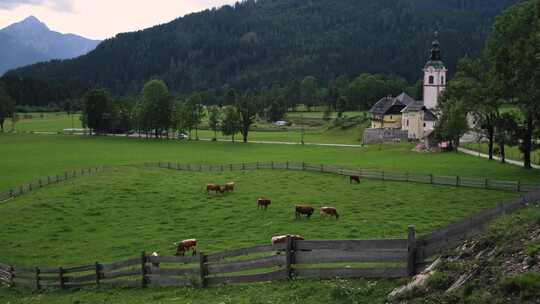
column 287, row 165
column 169, row 165
column 231, row 167
column 518, row 186
column 407, row 176
column 40, row 183
column 98, row 273
column 11, row 193
column 303, row 166
column 243, row 166
column 411, row 251
column 322, row 168
column 257, row 166
column 38, row 285
column 21, row 190
column 143, row 269
column 11, row 276
column 431, row 178
column 382, row 173
column 61, row 278
column 221, row 168
column 289, row 262
column 272, row 165
column 200, row 168
column 203, row 271
column 57, row 178
column 486, row 183
column 66, row 174
column 457, row 181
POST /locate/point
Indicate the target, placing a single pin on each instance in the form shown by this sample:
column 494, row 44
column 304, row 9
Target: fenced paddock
column 322, row 259
column 457, row 181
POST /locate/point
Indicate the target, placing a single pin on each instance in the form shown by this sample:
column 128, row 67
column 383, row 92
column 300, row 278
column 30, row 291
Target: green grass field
column 45, row 122
column 86, row 219
column 156, row 207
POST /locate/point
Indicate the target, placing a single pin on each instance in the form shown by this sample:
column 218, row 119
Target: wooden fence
column 49, row 180
column 293, row 259
column 457, row 181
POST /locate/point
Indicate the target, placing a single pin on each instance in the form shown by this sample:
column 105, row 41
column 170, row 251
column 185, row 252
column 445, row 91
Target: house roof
column 429, row 116
column 387, row 105
column 414, row 106
column 405, row 99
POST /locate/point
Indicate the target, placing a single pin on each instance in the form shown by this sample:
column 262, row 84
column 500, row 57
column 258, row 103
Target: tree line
column 499, row 91
column 253, row 44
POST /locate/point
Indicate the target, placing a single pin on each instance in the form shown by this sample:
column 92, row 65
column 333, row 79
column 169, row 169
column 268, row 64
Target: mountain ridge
column 31, row 36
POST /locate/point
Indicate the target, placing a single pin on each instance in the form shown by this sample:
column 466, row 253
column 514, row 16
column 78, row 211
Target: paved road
column 508, row 161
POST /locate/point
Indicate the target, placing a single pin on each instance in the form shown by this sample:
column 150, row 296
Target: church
column 402, row 118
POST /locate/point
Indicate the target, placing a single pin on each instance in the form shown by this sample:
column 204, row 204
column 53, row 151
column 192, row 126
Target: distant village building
column 403, row 118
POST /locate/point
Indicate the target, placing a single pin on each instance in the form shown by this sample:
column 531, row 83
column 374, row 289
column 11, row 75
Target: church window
column 424, row 125
column 442, row 79
column 407, row 122
column 431, row 79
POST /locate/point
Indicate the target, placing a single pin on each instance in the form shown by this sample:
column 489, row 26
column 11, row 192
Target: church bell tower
column 434, row 76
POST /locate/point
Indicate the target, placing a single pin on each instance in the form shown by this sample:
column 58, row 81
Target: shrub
column 526, row 285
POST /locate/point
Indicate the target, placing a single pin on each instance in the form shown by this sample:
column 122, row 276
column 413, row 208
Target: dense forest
column 268, row 42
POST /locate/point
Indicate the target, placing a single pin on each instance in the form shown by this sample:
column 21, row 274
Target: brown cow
column 229, row 187
column 213, row 187
column 354, row 179
column 329, row 211
column 263, row 203
column 185, row 246
column 306, row 210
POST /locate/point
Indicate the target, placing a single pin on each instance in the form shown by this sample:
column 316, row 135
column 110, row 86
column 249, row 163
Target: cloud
column 60, row 5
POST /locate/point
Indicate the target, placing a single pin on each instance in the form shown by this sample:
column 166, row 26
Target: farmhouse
column 402, row 118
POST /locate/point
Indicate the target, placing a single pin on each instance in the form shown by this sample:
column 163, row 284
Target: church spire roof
column 435, row 60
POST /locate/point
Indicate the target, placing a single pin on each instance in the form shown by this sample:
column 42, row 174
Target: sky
column 101, row 19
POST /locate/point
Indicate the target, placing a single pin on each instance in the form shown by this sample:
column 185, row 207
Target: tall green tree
column 513, row 51
column 97, row 111
column 214, row 120
column 158, row 104
column 7, row 107
column 507, row 131
column 231, row 124
column 248, row 108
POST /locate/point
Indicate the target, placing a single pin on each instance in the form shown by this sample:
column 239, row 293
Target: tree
column 481, row 93
column 506, row 132
column 158, row 105
column 196, row 111
column 7, row 107
column 452, row 124
column 248, row 108
column 214, row 120
column 231, row 122
column 308, row 91
column 97, row 110
column 513, row 52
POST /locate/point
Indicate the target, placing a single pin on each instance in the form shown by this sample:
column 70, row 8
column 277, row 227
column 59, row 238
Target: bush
column 533, row 250
column 439, row 281
column 526, row 285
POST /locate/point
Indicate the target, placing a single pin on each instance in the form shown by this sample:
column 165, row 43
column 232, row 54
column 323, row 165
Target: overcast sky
column 99, row 19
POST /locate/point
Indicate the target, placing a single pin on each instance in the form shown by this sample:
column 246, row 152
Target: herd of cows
column 306, row 210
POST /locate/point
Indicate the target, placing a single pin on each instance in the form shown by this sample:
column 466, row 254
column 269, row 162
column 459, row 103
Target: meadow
column 511, row 152
column 86, row 219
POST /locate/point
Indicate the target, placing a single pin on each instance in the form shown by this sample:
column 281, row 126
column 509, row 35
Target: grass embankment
column 45, row 122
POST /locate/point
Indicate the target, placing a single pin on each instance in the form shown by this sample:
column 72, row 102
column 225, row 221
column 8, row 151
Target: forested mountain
column 31, row 41
column 258, row 43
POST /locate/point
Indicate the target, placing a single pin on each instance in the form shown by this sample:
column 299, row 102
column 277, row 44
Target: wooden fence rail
column 457, row 181
column 49, row 180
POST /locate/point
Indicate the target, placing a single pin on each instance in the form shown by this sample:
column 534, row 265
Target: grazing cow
column 263, row 203
column 229, row 187
column 329, row 211
column 185, row 246
column 213, row 187
column 354, row 179
column 155, row 255
column 306, row 210
column 281, row 239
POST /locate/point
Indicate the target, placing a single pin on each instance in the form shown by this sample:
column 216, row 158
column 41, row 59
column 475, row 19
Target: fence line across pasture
column 49, row 180
column 457, row 181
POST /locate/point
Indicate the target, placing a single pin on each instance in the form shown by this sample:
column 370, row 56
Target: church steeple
column 434, row 76
column 435, row 49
